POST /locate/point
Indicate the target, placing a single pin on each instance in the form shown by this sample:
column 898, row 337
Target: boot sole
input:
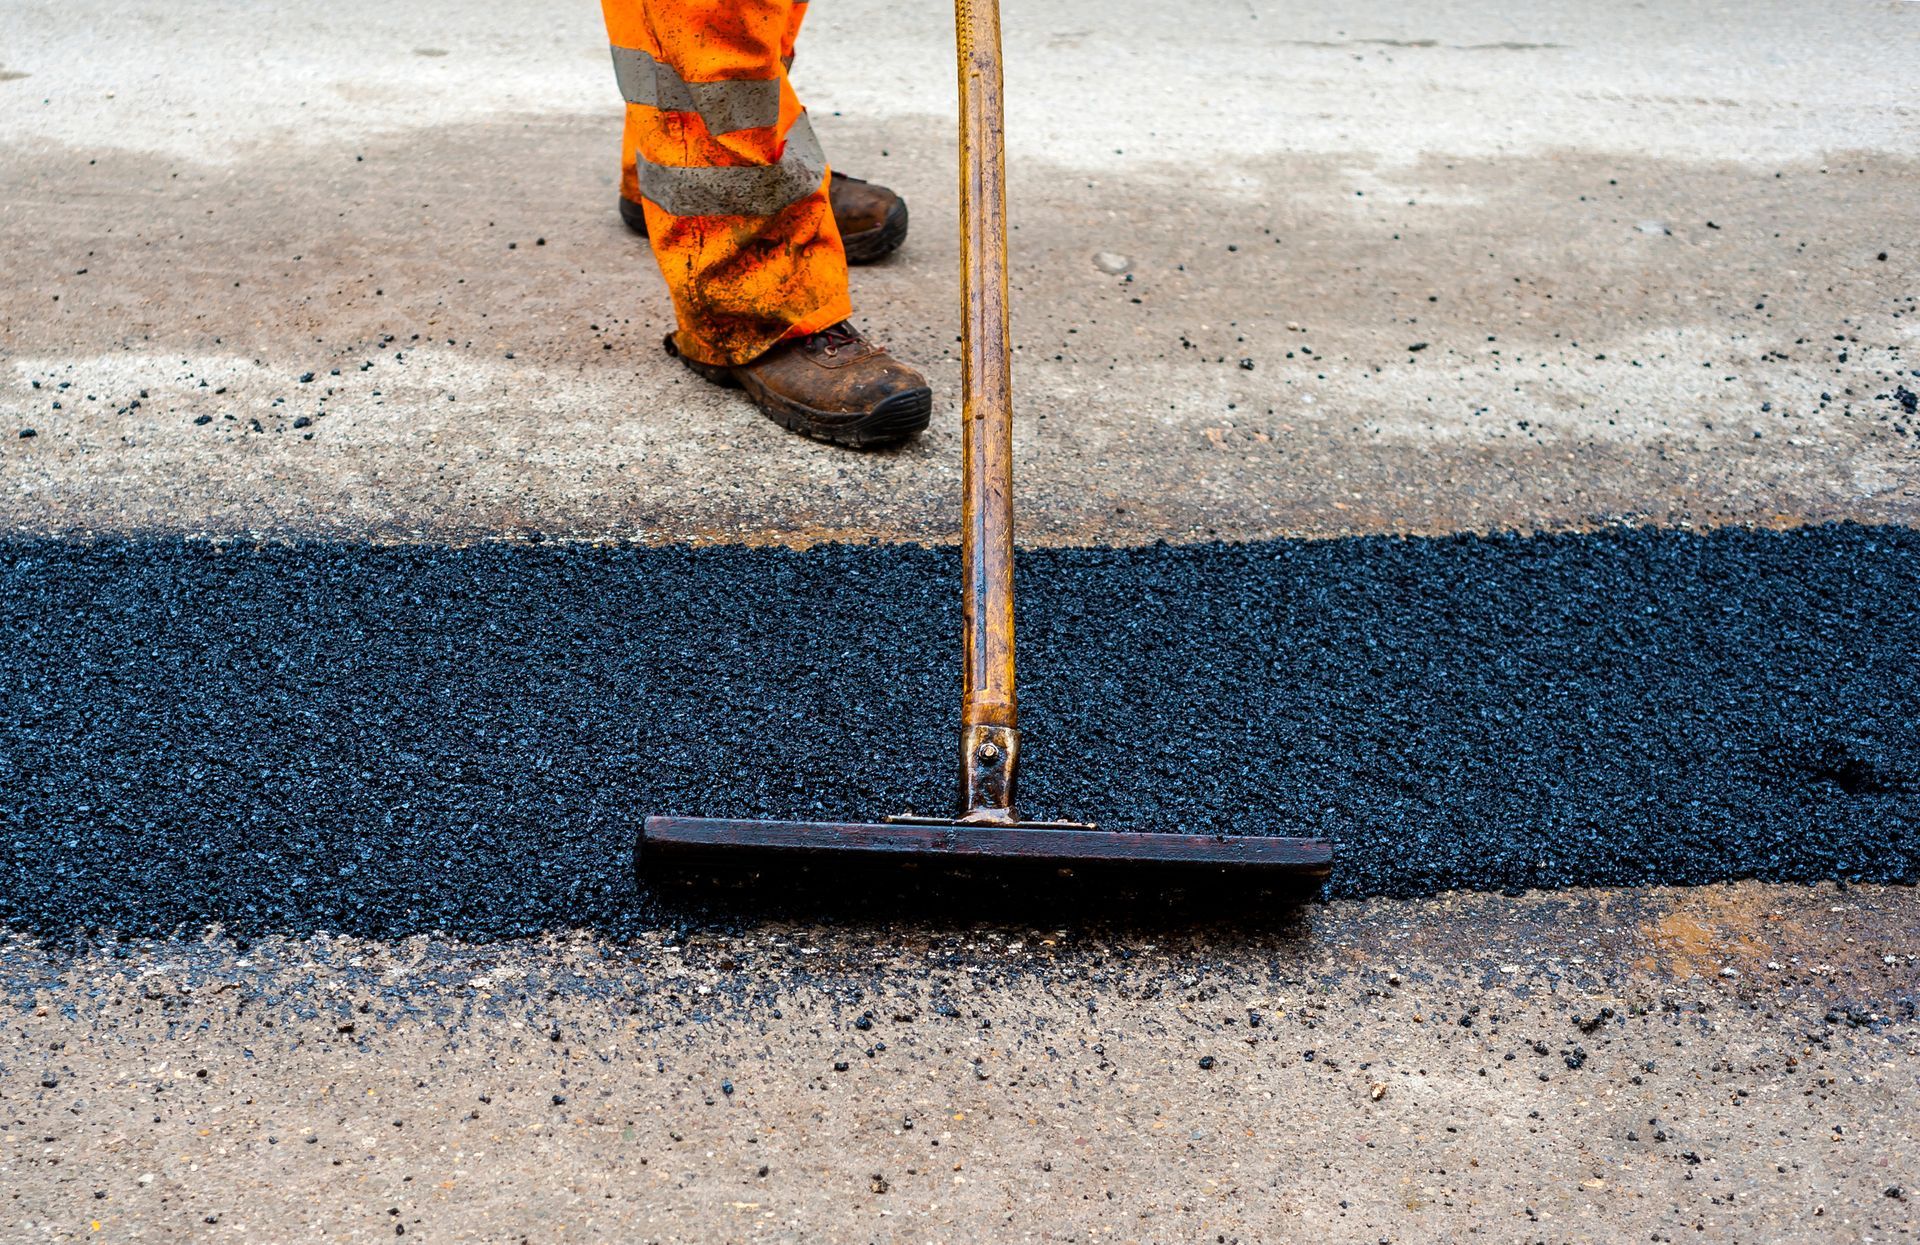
column 898, row 418
column 633, row 216
column 873, row 245
column 867, row 247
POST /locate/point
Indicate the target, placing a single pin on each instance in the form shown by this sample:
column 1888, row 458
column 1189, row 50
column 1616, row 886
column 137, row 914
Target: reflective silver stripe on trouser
column 742, row 104
column 750, row 190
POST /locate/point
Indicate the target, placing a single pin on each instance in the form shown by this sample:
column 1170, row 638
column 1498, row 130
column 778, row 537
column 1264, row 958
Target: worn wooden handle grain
column 989, row 711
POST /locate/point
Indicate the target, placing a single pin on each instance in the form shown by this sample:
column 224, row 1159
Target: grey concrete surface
column 1662, row 261
column 1642, row 247
column 1722, row 1064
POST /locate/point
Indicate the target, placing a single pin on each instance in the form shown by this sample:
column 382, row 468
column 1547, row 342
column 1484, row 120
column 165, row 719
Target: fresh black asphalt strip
column 384, row 740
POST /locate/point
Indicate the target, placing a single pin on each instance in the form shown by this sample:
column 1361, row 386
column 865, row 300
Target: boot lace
column 832, row 338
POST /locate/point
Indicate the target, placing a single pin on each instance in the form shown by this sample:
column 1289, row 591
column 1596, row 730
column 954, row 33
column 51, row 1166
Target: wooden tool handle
column 989, row 737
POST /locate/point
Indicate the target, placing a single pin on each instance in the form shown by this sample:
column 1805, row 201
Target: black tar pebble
column 382, row 740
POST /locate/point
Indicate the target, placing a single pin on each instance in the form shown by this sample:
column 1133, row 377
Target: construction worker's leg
column 730, row 175
column 796, row 14
column 617, row 13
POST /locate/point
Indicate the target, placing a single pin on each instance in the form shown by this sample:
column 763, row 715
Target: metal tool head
column 780, row 850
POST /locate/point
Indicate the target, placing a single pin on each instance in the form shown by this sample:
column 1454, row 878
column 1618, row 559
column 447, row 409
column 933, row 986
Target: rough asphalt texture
column 383, row 741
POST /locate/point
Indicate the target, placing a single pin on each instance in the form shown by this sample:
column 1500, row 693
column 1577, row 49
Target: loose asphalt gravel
column 384, row 740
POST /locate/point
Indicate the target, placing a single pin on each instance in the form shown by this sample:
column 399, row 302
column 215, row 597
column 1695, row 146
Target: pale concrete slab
column 1097, row 86
column 1720, row 1064
column 1642, row 250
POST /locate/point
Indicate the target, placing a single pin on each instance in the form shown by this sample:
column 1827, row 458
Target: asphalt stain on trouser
column 382, row 740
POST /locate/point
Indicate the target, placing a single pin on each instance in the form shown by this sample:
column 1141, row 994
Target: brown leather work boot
column 872, row 219
column 834, row 385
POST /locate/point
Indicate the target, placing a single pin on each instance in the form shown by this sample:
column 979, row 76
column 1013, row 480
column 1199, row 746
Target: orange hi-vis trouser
column 720, row 153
